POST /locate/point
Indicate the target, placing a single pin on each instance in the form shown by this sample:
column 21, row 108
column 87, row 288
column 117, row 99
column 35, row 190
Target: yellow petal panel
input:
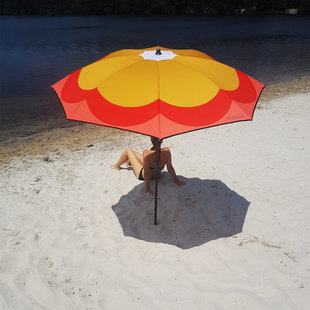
column 133, row 86
column 182, row 86
column 192, row 53
column 93, row 75
column 223, row 76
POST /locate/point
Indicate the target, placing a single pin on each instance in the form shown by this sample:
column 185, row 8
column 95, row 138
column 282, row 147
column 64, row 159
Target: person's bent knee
column 129, row 152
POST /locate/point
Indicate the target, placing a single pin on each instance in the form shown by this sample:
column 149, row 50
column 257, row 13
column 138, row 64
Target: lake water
column 35, row 52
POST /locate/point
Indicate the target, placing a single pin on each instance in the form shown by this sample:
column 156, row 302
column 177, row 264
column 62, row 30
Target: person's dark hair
column 154, row 141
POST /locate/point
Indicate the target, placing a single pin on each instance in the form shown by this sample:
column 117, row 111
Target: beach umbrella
column 158, row 92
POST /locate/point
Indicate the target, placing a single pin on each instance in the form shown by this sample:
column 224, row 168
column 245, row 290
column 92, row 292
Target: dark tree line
column 153, row 7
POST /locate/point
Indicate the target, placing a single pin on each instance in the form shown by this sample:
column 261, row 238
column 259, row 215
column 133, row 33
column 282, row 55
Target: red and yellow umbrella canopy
column 158, row 94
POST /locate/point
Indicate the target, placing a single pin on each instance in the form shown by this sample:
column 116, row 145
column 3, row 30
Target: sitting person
column 144, row 165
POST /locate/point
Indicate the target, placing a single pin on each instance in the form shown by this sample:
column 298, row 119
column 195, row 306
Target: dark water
column 35, row 52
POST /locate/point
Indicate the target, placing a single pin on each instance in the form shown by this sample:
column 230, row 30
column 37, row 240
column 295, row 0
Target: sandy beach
column 75, row 234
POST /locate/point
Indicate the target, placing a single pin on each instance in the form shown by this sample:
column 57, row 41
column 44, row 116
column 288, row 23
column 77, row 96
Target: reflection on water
column 35, row 52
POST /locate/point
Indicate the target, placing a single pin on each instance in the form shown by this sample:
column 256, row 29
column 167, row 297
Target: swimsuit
column 141, row 178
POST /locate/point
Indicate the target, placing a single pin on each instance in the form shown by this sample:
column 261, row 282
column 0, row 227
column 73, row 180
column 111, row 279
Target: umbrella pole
column 156, row 179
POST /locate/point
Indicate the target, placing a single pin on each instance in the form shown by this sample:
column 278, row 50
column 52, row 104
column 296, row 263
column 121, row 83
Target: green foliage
column 151, row 7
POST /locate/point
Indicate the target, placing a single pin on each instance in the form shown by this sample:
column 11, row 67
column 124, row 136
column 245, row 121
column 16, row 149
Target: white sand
column 75, row 234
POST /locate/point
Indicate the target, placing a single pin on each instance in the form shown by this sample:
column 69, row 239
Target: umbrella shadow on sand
column 188, row 216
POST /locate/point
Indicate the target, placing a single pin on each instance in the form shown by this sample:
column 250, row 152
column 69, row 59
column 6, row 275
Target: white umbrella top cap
column 158, row 55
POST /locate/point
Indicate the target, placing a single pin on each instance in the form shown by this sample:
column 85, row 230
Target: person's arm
column 172, row 172
column 147, row 174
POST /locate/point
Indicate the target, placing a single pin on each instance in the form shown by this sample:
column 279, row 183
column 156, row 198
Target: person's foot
column 115, row 167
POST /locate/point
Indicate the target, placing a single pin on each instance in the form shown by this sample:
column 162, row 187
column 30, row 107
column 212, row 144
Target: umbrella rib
column 196, row 56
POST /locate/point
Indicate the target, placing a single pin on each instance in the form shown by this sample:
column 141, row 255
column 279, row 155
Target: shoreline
column 52, row 135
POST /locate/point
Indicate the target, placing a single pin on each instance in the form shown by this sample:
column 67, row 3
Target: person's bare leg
column 132, row 158
column 135, row 161
column 123, row 159
column 139, row 156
